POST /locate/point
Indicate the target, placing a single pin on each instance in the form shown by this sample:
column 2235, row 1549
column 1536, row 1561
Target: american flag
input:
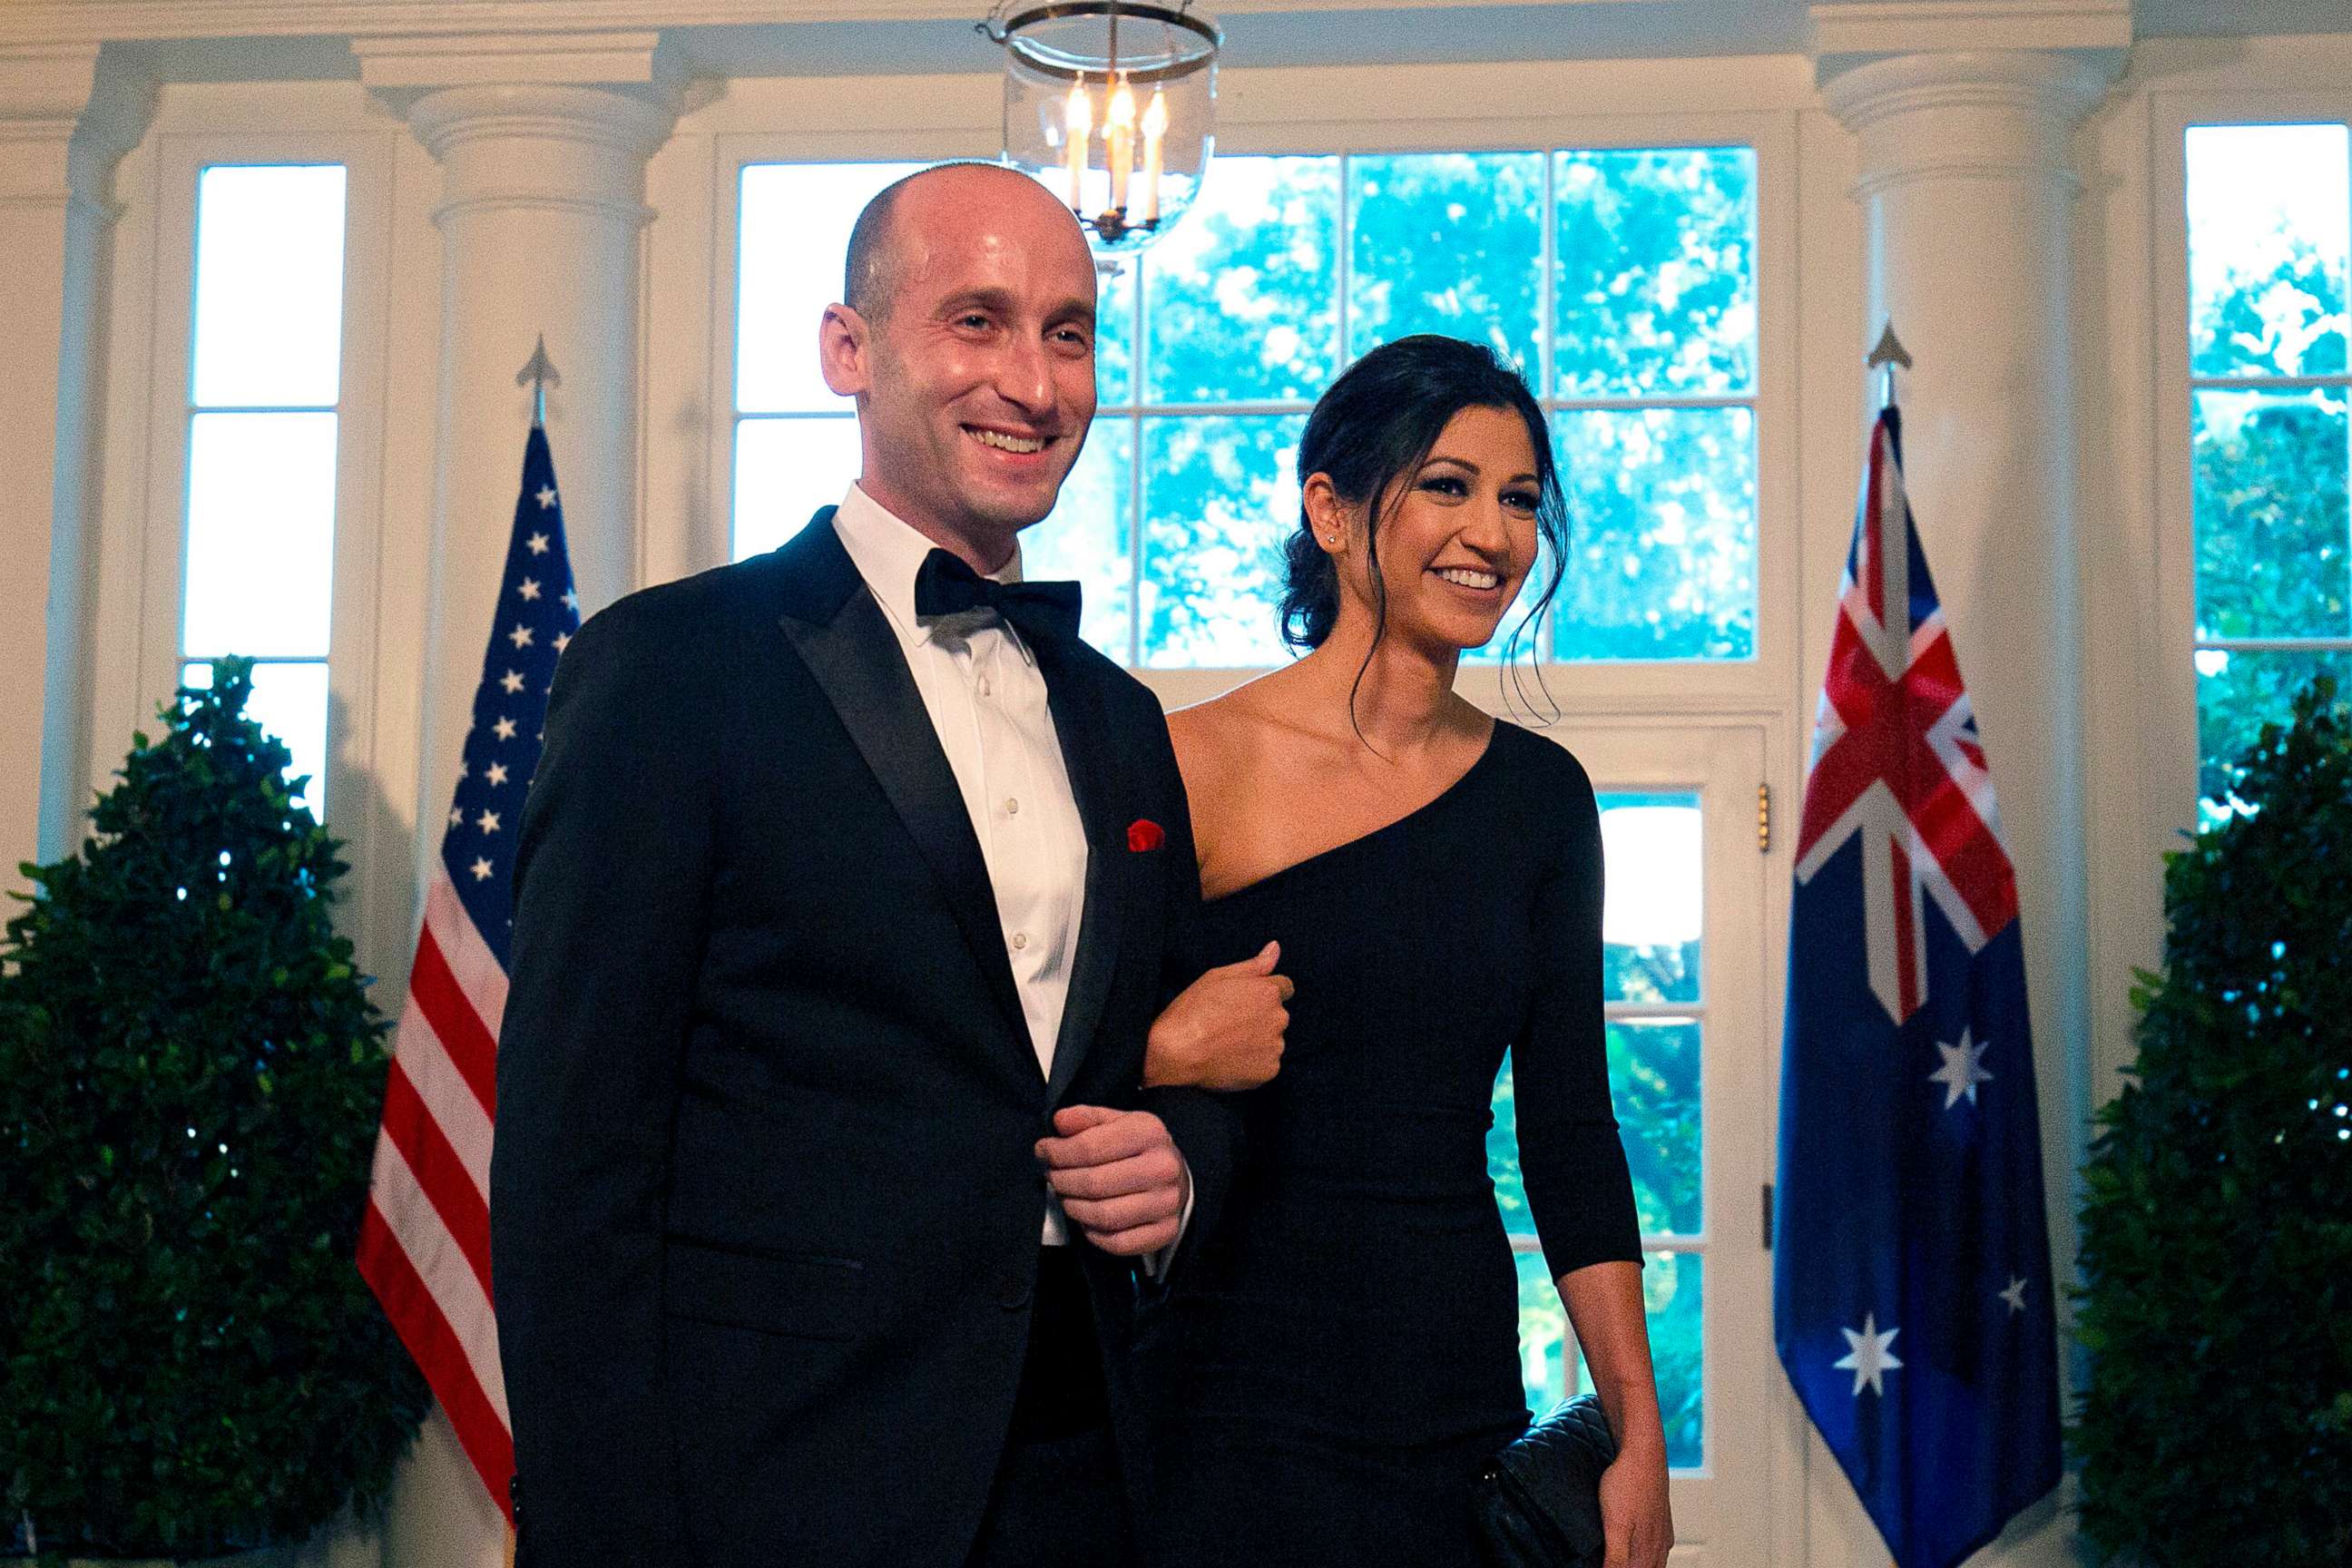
column 1911, row 1268
column 425, row 1242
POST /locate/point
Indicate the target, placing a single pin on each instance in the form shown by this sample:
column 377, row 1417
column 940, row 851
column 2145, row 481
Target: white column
column 64, row 122
column 542, row 143
column 1966, row 188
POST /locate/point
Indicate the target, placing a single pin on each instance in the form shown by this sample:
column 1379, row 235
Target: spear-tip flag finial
column 1889, row 353
column 538, row 375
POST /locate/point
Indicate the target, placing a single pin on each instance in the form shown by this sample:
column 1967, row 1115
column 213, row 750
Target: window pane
column 2240, row 692
column 1450, row 243
column 2271, row 481
column 1672, row 1290
column 270, row 285
column 261, row 533
column 1244, row 294
column 794, row 221
column 1087, row 536
column 1662, row 534
column 1656, row 287
column 1219, row 496
column 1115, row 337
column 1656, row 905
column 290, row 701
column 1654, row 1081
column 784, row 471
column 2270, row 226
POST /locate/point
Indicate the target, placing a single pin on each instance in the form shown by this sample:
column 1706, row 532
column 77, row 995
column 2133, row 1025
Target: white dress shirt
column 986, row 699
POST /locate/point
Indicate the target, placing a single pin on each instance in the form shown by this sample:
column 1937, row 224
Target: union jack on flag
column 425, row 1241
column 1911, row 1270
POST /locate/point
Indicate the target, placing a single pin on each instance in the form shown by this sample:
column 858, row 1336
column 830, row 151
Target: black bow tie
column 947, row 587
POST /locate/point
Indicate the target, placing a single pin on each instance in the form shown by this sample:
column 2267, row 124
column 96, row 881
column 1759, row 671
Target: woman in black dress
column 1336, row 1365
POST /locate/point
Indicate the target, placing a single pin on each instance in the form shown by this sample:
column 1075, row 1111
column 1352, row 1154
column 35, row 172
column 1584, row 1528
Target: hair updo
column 1378, row 422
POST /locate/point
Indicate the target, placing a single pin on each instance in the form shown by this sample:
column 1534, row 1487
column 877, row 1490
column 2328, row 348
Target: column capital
column 67, row 115
column 1968, row 113
column 532, row 120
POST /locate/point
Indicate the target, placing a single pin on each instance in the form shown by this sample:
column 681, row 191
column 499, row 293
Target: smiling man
column 823, row 1189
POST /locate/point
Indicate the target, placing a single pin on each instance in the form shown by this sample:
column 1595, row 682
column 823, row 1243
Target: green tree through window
column 2270, row 226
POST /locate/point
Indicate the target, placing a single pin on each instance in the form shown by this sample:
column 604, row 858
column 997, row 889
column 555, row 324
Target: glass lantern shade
column 1113, row 106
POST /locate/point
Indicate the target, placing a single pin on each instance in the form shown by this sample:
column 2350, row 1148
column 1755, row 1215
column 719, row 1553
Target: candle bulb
column 1078, row 121
column 1155, row 132
column 1119, row 143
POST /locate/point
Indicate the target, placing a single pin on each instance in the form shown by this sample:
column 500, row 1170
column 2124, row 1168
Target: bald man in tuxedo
column 853, row 885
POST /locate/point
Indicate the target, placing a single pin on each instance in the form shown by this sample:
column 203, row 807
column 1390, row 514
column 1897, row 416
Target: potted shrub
column 190, row 1080
column 2217, row 1224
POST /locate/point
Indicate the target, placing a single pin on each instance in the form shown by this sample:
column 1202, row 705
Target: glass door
column 1688, row 1056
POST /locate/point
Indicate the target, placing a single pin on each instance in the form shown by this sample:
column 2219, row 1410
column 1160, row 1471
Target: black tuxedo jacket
column 764, row 1209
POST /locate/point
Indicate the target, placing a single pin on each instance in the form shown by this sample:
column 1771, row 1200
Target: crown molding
column 1854, row 30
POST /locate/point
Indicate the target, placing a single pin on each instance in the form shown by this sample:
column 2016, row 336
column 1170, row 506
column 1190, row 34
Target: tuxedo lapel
column 854, row 656
column 1081, row 724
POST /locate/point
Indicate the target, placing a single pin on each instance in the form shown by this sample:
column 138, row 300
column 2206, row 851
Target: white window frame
column 1760, row 683
column 139, row 609
column 2173, row 748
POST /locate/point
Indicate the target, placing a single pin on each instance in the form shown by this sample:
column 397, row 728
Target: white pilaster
column 1966, row 188
column 542, row 143
column 64, row 122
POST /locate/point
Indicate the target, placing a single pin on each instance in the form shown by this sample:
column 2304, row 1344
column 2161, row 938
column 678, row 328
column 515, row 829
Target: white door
column 1688, row 903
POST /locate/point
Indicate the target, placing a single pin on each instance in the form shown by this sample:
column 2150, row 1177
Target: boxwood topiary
column 190, row 1080
column 2217, row 1224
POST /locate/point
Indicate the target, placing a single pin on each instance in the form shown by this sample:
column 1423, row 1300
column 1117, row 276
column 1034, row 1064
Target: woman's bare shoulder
column 1221, row 729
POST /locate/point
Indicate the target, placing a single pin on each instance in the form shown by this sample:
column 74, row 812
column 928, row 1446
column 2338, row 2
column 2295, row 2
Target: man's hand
column 1225, row 1030
column 1118, row 1176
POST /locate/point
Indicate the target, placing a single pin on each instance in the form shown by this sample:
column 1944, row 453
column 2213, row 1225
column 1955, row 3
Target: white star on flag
column 1869, row 1357
column 456, row 818
column 521, row 635
column 537, row 542
column 571, row 600
column 2014, row 1295
column 497, row 773
column 482, row 870
column 562, row 641
column 490, row 822
column 528, row 588
column 511, row 680
column 506, row 728
column 1963, row 1070
column 546, row 497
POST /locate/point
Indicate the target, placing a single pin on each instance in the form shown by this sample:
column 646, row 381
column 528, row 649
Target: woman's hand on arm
column 1604, row 1303
column 1225, row 1030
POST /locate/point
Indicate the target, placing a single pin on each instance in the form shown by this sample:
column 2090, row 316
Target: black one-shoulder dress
column 1332, row 1368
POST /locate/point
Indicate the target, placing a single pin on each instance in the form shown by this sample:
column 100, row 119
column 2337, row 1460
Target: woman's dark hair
column 1377, row 422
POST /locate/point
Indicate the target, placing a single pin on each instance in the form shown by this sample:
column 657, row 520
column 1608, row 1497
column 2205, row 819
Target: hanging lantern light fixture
column 1112, row 103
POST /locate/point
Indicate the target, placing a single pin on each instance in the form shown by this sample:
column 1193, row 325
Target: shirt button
column 1020, row 940
column 1012, row 806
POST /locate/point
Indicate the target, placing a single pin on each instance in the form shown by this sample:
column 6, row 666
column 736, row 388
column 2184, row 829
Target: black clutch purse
column 1539, row 1500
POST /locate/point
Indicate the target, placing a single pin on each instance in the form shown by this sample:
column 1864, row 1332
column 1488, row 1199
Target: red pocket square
column 1144, row 834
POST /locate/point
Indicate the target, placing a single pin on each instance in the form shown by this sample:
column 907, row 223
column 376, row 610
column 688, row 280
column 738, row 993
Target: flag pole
column 1889, row 353
column 538, row 375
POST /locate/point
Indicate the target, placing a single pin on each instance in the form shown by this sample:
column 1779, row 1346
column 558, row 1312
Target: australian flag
column 1911, row 1289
